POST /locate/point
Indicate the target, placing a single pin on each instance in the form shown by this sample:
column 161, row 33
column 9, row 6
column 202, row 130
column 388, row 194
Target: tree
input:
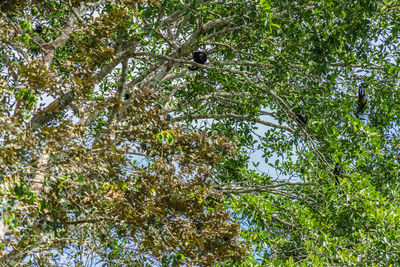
column 90, row 174
column 130, row 158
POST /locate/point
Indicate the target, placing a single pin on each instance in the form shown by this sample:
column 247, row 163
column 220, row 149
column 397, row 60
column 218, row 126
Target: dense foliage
column 283, row 148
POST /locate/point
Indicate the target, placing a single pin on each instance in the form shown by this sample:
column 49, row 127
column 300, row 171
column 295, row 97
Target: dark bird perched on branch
column 301, row 118
column 198, row 57
column 362, row 101
column 38, row 29
column 338, row 172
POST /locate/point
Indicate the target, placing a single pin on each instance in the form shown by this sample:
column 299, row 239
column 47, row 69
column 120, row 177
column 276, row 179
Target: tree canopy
column 116, row 148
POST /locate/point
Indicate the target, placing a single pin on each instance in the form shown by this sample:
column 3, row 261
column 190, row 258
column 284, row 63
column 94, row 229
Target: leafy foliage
column 112, row 152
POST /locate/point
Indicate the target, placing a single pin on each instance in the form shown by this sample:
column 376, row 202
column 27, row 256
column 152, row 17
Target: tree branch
column 233, row 116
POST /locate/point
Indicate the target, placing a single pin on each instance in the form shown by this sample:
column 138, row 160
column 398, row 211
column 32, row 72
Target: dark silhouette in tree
column 198, row 57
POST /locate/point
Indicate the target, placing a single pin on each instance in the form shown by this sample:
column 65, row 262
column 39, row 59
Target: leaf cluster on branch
column 117, row 148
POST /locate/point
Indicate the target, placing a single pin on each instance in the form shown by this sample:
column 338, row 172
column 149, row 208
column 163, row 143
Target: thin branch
column 273, row 217
column 232, row 48
column 166, row 39
column 144, row 75
column 233, row 116
column 242, row 63
column 75, row 13
column 369, row 66
column 171, row 96
column 213, row 35
column 174, row 75
column 263, row 189
column 221, row 95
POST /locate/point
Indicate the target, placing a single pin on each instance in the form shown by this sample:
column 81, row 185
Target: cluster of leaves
column 109, row 172
column 92, row 188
